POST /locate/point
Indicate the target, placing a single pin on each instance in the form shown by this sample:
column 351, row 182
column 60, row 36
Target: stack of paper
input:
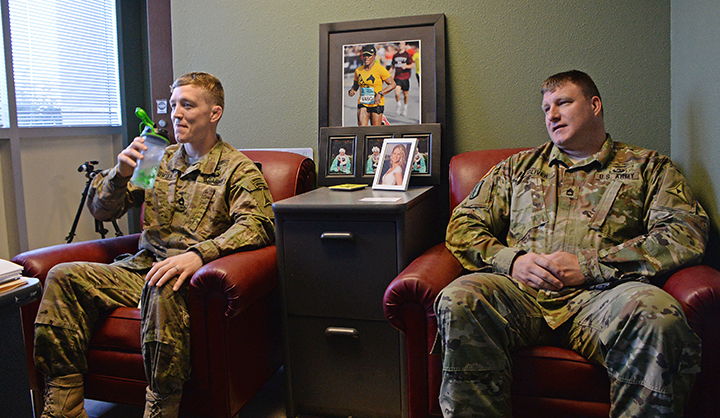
column 9, row 271
column 12, row 284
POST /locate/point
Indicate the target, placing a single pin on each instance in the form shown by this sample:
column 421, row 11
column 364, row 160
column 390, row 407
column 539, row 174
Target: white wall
column 53, row 186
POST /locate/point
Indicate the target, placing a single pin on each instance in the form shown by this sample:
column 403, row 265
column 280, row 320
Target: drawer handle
column 337, row 235
column 342, row 332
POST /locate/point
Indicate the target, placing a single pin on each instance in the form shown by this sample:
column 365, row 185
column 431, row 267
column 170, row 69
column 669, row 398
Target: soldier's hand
column 127, row 159
column 182, row 265
column 571, row 275
column 537, row 271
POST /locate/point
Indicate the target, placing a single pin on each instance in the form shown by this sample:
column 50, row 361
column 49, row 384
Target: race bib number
column 367, row 95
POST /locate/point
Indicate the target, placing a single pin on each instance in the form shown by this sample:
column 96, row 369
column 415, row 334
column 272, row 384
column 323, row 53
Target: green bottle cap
column 147, row 126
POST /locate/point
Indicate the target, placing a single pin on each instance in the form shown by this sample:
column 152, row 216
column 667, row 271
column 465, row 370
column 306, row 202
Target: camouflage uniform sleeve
column 477, row 222
column 110, row 196
column 677, row 232
column 250, row 205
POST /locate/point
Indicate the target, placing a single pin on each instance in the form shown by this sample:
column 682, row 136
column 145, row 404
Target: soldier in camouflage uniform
column 209, row 200
column 564, row 239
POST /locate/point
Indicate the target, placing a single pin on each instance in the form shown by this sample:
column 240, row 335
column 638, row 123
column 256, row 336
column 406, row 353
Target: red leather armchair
column 547, row 381
column 234, row 315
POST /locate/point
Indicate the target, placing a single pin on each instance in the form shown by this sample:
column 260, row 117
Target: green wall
column 497, row 54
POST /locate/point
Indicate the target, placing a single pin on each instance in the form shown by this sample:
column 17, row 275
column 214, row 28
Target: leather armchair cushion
column 118, row 331
column 544, row 371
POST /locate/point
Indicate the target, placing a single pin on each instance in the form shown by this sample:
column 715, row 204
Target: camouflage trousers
column 636, row 331
column 76, row 294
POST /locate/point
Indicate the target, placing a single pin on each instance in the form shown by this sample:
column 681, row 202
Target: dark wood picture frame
column 364, row 138
column 429, row 29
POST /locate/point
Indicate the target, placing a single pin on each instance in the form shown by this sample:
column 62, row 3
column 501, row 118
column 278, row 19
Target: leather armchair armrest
column 36, row 263
column 418, row 285
column 241, row 278
column 697, row 288
column 408, row 305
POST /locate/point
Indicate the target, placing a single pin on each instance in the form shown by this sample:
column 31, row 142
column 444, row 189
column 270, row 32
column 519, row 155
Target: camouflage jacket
column 219, row 205
column 626, row 212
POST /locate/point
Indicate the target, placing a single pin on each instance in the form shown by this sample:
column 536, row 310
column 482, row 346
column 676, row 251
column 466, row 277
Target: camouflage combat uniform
column 217, row 206
column 628, row 215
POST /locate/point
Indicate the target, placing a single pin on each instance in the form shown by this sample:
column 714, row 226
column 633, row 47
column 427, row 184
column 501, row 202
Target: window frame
column 31, row 132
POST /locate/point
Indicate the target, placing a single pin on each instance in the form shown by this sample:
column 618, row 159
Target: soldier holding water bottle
column 208, row 200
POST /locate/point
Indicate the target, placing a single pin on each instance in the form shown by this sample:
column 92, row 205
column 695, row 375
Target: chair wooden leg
column 37, row 401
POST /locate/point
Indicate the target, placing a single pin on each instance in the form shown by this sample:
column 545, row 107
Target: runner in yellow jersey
column 369, row 81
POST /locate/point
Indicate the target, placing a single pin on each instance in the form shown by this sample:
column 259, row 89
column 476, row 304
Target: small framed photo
column 393, row 171
column 421, row 160
column 342, row 152
column 373, row 143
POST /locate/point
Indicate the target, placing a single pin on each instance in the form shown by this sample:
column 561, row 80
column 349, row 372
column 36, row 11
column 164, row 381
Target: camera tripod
column 89, row 168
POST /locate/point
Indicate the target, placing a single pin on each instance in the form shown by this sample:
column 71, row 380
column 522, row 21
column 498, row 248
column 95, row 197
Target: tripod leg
column 100, row 229
column 118, row 232
column 71, row 234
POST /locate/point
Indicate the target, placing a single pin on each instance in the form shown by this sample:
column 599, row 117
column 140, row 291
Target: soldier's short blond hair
column 207, row 82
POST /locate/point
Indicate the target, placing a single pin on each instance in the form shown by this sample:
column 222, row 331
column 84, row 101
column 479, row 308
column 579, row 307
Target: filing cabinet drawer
column 338, row 269
column 344, row 367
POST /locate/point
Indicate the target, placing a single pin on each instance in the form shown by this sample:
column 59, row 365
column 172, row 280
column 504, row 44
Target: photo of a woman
column 393, row 171
column 398, row 160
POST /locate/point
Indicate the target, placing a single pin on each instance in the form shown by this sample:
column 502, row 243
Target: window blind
column 4, row 109
column 65, row 62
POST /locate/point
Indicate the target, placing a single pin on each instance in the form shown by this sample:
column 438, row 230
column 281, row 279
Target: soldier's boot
column 64, row 397
column 157, row 406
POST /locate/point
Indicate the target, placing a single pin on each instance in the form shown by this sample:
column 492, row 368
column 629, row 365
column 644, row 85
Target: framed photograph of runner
column 351, row 155
column 389, row 67
column 406, row 52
